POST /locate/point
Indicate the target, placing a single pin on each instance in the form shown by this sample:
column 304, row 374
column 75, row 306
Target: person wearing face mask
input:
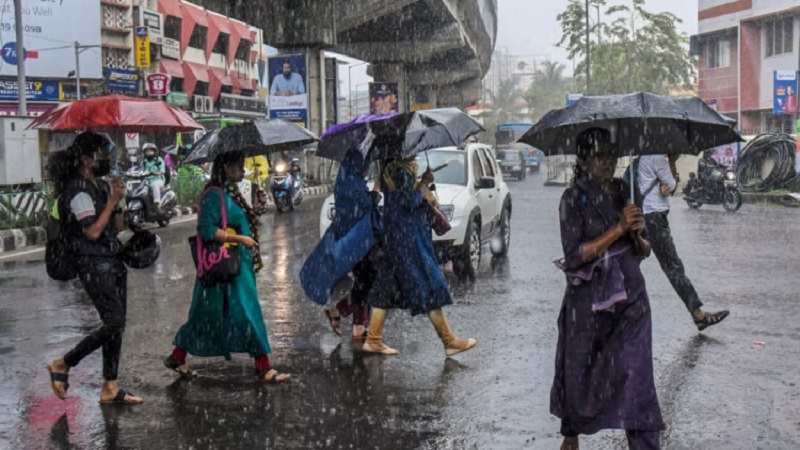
column 154, row 165
column 93, row 221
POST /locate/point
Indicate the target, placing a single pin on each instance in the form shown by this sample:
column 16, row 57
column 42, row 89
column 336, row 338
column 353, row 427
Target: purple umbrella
column 338, row 139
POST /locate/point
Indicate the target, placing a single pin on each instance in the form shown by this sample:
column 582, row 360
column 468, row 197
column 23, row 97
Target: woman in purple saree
column 604, row 364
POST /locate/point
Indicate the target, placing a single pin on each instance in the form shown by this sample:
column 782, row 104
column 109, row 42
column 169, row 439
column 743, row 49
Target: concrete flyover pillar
column 422, row 97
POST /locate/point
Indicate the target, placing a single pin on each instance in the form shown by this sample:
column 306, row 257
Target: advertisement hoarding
column 155, row 22
column 785, row 92
column 126, row 81
column 50, row 29
column 171, row 48
column 141, row 44
column 36, row 91
column 383, row 97
column 288, row 98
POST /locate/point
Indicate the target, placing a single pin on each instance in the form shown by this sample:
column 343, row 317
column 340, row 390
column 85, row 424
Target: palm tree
column 503, row 100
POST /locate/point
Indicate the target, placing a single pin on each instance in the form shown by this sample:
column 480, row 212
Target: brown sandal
column 261, row 377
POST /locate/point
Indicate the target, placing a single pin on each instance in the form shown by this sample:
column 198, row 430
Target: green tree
column 548, row 90
column 503, row 99
column 632, row 50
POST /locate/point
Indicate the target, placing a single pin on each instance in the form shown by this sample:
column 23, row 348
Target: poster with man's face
column 785, row 92
column 383, row 98
column 288, row 97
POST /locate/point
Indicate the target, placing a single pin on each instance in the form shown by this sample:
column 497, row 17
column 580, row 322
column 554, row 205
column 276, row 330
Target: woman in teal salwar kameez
column 226, row 318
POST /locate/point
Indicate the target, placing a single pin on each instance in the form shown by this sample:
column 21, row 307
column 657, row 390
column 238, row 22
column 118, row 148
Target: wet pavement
column 736, row 386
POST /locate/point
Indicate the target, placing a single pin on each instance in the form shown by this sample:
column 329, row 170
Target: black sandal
column 119, row 399
column 174, row 365
column 334, row 322
column 57, row 377
column 711, row 319
column 260, row 377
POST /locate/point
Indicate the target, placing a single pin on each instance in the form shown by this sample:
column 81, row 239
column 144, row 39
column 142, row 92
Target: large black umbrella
column 640, row 124
column 260, row 137
column 400, row 135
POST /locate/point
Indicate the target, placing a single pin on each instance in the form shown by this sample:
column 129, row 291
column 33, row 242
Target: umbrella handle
column 633, row 182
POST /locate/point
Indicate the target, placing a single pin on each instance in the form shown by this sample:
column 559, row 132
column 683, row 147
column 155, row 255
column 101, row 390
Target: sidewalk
column 16, row 239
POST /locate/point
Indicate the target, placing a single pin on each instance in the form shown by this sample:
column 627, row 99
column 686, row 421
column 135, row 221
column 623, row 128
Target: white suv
column 473, row 196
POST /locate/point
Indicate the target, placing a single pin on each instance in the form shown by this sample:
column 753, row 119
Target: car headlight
column 331, row 213
column 730, row 176
column 516, row 168
column 448, row 211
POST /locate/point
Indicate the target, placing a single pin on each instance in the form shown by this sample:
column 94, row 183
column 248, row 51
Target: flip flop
column 261, row 377
column 119, row 399
column 174, row 365
column 58, row 377
column 334, row 322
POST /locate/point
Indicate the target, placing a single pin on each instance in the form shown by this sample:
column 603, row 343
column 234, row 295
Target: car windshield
column 509, row 156
column 453, row 173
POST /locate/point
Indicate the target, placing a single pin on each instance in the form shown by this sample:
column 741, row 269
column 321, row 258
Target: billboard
column 119, row 80
column 288, row 98
column 36, row 91
column 141, row 47
column 785, row 92
column 50, row 29
column 383, row 97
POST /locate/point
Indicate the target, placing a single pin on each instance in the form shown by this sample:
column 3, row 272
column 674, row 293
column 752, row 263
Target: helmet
column 149, row 146
column 141, row 250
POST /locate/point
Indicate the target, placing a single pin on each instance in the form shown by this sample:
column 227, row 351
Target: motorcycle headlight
column 332, row 213
column 448, row 211
column 280, row 168
column 730, row 176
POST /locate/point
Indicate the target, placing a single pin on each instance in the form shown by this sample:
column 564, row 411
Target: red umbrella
column 116, row 113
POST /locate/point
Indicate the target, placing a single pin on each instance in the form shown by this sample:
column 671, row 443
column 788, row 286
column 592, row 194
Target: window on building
column 779, row 123
column 176, row 84
column 243, row 51
column 201, row 88
column 172, row 28
column 778, row 36
column 198, row 39
column 221, row 46
column 719, row 53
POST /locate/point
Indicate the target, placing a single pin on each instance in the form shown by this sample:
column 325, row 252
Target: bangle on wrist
column 225, row 237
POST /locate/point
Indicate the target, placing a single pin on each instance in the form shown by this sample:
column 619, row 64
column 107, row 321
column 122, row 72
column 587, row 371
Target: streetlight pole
column 350, row 88
column 23, row 94
column 78, row 50
column 588, row 52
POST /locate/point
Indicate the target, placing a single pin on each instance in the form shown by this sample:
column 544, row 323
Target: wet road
column 718, row 390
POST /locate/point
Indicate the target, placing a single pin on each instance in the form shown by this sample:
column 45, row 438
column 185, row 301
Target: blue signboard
column 36, row 91
column 785, row 92
column 288, row 98
column 119, row 80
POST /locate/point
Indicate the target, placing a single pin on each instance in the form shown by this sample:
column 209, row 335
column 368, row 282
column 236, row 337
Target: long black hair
column 218, row 177
column 587, row 143
column 63, row 165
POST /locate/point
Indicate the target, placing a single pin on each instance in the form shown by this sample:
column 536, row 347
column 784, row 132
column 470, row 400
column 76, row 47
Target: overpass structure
column 436, row 50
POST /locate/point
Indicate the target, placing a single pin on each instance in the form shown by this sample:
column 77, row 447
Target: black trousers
column 667, row 256
column 106, row 282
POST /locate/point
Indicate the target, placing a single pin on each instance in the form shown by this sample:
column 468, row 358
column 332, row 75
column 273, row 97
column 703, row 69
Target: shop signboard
column 158, row 84
column 126, row 81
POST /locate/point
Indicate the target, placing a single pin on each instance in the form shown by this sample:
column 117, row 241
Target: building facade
column 742, row 45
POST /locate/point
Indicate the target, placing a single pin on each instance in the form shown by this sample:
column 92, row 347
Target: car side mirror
column 486, row 183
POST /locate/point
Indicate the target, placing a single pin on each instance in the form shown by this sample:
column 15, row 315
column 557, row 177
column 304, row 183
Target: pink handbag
column 436, row 219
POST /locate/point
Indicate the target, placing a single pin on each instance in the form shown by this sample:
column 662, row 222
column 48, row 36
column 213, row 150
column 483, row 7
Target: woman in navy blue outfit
column 409, row 277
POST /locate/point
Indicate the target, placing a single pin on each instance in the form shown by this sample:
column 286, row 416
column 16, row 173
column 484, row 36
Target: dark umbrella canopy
column 417, row 132
column 640, row 124
column 252, row 138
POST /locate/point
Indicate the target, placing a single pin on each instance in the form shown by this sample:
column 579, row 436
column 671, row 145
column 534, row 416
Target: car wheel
column 504, row 235
column 469, row 259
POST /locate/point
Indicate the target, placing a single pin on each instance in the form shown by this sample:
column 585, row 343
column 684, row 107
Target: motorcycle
column 717, row 186
column 285, row 185
column 139, row 199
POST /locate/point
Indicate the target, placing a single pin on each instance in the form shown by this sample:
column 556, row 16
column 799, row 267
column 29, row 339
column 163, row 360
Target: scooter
column 285, row 185
column 139, row 200
column 718, row 186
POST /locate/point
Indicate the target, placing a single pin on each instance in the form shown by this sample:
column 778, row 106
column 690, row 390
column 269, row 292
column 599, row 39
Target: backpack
column 626, row 177
column 59, row 256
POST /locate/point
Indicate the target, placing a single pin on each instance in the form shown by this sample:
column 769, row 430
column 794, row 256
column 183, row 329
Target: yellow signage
column 142, row 47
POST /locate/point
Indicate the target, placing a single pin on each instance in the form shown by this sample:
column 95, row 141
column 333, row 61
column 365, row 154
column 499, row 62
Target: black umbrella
column 414, row 132
column 174, row 150
column 260, row 137
column 640, row 124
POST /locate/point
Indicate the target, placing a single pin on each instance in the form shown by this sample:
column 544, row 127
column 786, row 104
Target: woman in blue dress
column 604, row 361
column 226, row 318
column 409, row 277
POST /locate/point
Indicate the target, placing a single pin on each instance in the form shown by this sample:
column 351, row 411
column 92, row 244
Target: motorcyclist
column 292, row 166
column 706, row 165
column 155, row 167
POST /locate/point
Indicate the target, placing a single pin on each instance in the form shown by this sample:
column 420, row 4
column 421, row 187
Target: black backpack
column 59, row 255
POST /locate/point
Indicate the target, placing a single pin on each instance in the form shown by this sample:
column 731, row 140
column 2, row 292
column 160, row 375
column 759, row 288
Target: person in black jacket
column 89, row 205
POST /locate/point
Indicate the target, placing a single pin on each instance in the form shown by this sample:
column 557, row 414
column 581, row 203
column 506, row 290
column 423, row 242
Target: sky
column 529, row 27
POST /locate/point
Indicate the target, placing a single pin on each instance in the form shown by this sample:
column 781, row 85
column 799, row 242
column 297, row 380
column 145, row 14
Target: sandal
column 174, row 365
column 121, row 399
column 334, row 322
column 383, row 349
column 261, row 377
column 452, row 351
column 711, row 319
column 58, row 377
